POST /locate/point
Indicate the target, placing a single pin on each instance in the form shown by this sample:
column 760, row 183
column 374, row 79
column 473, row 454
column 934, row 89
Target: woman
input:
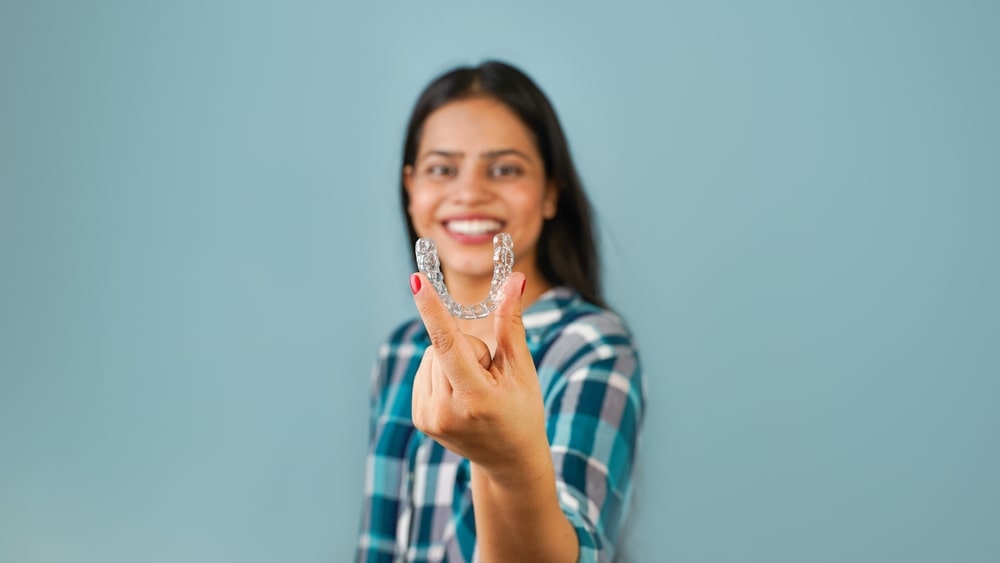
column 509, row 438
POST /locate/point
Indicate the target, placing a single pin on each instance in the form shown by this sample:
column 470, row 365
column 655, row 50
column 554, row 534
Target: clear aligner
column 503, row 262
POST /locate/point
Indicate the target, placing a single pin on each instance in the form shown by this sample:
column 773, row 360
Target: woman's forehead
column 475, row 126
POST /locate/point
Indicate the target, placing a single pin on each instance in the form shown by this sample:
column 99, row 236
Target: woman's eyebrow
column 503, row 152
column 487, row 155
column 441, row 152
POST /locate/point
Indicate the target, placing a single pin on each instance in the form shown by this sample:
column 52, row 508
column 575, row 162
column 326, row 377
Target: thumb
column 507, row 322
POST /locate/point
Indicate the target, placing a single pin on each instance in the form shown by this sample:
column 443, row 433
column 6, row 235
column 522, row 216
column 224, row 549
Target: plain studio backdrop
column 201, row 248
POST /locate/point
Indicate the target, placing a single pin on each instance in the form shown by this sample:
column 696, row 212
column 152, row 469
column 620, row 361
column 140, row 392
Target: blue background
column 201, row 249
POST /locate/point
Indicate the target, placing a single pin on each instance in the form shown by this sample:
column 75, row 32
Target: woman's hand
column 488, row 410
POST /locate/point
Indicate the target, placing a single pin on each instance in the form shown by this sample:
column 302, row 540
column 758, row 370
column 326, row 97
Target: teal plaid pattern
column 418, row 505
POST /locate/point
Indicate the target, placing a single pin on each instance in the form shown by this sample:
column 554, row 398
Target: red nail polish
column 524, row 282
column 415, row 283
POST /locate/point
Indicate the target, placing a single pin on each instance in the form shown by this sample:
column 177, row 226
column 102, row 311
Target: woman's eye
column 504, row 171
column 441, row 170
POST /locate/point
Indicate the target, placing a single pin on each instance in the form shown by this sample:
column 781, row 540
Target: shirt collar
column 547, row 311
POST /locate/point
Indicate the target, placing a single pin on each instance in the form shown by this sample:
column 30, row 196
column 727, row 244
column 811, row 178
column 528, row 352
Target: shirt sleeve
column 593, row 391
column 378, row 380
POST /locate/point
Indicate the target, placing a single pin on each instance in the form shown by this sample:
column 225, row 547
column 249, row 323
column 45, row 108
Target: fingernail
column 524, row 282
column 415, row 283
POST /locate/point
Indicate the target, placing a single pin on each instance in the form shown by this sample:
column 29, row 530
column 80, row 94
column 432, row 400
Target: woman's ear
column 551, row 200
column 407, row 177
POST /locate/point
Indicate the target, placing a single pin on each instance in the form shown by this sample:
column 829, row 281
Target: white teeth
column 474, row 226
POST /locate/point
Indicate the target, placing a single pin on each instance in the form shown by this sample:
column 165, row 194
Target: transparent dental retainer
column 503, row 262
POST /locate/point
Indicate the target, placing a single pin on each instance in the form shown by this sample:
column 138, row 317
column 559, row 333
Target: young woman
column 509, row 438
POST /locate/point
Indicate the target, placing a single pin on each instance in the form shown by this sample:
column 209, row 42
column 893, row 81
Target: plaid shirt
column 418, row 504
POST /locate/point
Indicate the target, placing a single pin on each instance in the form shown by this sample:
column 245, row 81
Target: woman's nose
column 470, row 188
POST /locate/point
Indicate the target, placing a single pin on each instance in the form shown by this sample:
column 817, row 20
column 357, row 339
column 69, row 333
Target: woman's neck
column 468, row 290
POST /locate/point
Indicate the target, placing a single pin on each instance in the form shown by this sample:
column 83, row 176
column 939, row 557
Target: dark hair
column 567, row 251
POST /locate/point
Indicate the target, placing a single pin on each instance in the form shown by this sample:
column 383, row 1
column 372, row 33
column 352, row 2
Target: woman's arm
column 518, row 516
column 594, row 397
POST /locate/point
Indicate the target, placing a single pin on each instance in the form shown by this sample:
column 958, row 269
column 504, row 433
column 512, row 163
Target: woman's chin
column 469, row 273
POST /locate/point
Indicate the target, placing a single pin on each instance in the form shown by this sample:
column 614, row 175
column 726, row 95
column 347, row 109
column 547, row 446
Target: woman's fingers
column 481, row 351
column 454, row 350
column 423, row 383
column 508, row 325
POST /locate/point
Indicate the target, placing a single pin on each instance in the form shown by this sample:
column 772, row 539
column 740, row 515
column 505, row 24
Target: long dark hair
column 567, row 251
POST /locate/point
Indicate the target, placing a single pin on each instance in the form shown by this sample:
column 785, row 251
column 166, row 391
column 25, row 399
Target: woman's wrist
column 522, row 471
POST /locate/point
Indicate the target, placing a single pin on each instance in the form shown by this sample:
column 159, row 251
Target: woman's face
column 478, row 172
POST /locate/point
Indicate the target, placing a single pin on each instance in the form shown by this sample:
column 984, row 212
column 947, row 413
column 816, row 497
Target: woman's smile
column 472, row 229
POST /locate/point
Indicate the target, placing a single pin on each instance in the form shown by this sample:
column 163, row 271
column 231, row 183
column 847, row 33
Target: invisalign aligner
column 503, row 262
